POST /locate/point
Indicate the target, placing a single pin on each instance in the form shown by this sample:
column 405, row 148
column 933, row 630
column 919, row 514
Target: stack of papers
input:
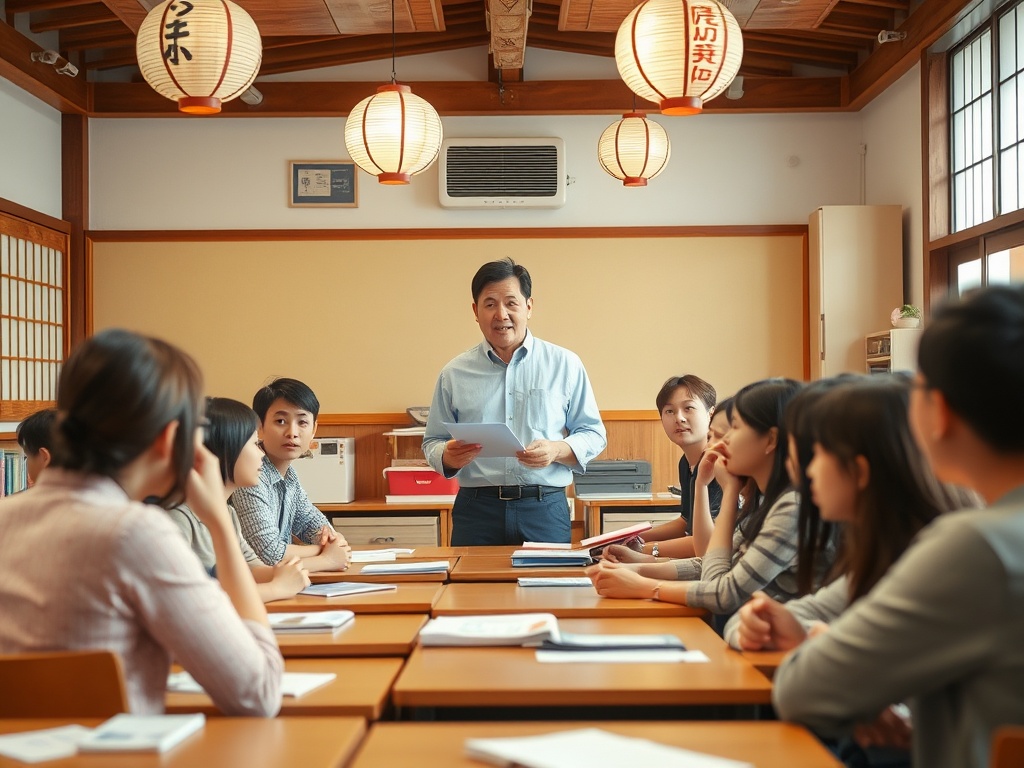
column 371, row 557
column 293, row 684
column 554, row 581
column 344, row 588
column 550, row 557
column 511, row 629
column 589, row 747
column 121, row 733
column 310, row 621
column 45, row 744
column 392, row 569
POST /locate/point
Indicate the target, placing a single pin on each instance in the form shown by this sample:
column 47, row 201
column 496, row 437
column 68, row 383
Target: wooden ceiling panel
column 368, row 17
column 594, row 15
column 788, row 14
column 82, row 15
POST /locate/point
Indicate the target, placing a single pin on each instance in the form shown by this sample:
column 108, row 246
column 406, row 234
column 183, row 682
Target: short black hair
column 696, row 386
column 230, row 426
column 972, row 352
column 291, row 391
column 36, row 431
column 503, row 269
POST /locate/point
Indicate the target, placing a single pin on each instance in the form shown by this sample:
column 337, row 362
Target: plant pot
column 907, row 322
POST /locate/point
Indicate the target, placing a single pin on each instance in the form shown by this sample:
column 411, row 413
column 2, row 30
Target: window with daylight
column 33, row 315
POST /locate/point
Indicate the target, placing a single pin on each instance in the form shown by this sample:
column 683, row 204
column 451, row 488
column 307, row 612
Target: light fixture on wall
column 393, row 134
column 679, row 53
column 634, row 149
column 199, row 52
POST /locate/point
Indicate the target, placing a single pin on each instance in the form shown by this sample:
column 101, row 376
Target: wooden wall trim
column 24, row 212
column 1007, row 220
column 75, row 209
column 354, row 419
column 441, row 233
column 645, row 415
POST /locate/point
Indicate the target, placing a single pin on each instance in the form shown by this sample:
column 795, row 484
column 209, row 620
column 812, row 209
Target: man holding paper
column 540, row 392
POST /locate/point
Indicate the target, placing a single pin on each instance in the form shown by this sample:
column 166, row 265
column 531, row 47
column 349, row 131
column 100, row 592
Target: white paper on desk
column 630, row 656
column 46, row 744
column 554, row 581
column 371, row 557
column 587, row 747
column 293, row 684
column 497, row 439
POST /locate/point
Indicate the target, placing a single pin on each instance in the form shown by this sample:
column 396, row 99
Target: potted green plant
column 907, row 316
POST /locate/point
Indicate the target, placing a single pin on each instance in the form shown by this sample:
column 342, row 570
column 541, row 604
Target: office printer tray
column 616, row 476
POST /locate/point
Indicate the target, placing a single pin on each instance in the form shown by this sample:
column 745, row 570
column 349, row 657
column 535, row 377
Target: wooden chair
column 1008, row 747
column 62, row 684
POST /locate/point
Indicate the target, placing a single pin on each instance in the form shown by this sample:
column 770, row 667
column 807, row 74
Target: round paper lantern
column 634, row 149
column 393, row 134
column 199, row 53
column 679, row 53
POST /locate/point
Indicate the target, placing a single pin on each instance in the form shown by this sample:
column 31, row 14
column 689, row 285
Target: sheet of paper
column 497, row 439
column 554, row 581
column 371, row 557
column 652, row 656
column 587, row 747
column 46, row 744
column 293, row 684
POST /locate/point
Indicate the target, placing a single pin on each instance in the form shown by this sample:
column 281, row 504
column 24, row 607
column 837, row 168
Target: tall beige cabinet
column 856, row 279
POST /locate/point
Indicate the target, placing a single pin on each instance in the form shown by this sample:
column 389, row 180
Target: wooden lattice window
column 34, row 331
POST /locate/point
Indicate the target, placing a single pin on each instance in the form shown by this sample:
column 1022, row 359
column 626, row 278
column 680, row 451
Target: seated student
column 34, row 438
column 231, row 437
column 942, row 629
column 686, row 404
column 119, row 576
column 720, row 419
column 747, row 551
column 276, row 508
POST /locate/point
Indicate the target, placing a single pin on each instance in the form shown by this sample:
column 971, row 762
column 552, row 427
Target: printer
column 616, row 479
column 328, row 472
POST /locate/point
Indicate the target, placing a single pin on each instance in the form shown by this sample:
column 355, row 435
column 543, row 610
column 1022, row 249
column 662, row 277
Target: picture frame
column 323, row 184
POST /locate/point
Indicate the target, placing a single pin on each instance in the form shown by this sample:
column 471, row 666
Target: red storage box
column 419, row 481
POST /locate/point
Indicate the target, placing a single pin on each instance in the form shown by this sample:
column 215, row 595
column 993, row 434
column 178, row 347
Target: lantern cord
column 501, row 87
column 394, row 43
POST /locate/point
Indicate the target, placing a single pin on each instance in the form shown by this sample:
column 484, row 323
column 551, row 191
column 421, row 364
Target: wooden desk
column 359, row 690
column 467, row 599
column 441, row 745
column 368, row 635
column 765, row 661
column 408, row 598
column 355, row 573
column 592, row 508
column 512, row 677
column 500, row 568
column 284, row 742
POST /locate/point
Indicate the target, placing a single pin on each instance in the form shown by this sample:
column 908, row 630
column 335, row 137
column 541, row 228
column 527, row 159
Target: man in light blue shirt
column 541, row 391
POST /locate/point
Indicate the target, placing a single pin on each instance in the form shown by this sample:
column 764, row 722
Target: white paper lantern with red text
column 679, row 53
column 634, row 149
column 199, row 52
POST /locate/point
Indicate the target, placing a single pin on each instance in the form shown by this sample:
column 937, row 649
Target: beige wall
column 369, row 324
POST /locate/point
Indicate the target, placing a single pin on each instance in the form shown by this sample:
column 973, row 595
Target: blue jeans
column 479, row 519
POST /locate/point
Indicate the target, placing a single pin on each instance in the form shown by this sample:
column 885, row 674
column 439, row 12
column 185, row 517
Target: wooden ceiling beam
column 113, row 58
column 130, row 12
column 896, row 5
column 32, row 6
column 794, row 53
column 581, row 97
column 817, row 43
column 84, row 15
column 859, row 33
column 109, row 33
column 67, row 94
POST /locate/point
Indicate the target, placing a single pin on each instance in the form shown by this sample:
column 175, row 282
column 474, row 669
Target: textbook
column 524, row 558
column 293, row 684
column 589, row 747
column 508, row 629
column 313, row 621
column 393, row 569
column 342, row 588
column 142, row 733
column 615, row 537
column 546, row 545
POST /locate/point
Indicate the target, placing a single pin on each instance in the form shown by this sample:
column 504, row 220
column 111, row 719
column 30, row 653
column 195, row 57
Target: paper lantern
column 199, row 53
column 679, row 53
column 634, row 149
column 393, row 134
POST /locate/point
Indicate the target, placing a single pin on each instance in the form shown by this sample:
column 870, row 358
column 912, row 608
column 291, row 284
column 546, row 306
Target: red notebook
column 615, row 537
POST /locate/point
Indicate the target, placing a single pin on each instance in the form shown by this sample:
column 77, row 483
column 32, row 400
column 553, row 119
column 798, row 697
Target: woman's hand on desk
column 620, row 553
column 767, row 625
column 614, row 580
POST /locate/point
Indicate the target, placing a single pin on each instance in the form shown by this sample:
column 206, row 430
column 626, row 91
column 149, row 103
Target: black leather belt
column 515, row 492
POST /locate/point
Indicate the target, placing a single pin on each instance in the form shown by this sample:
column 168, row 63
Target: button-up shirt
column 542, row 394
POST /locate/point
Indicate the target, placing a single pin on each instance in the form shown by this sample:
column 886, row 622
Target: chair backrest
column 1008, row 747
column 62, row 684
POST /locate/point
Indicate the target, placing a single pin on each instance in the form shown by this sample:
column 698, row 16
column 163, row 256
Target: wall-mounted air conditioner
column 502, row 173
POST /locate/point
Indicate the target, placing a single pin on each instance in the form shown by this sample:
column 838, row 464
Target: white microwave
column 329, row 475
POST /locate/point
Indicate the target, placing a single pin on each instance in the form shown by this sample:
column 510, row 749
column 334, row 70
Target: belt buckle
column 518, row 492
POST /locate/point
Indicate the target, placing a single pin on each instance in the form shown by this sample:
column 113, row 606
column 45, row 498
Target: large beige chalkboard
column 368, row 324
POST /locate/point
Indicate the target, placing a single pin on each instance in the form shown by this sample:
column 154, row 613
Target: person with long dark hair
column 121, row 578
column 748, row 550
column 231, row 437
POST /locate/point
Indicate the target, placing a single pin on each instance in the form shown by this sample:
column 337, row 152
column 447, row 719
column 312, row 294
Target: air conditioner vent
column 502, row 173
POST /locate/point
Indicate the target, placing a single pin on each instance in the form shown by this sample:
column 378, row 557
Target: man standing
column 541, row 391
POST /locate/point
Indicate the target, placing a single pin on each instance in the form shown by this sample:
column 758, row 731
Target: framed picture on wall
column 323, row 184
